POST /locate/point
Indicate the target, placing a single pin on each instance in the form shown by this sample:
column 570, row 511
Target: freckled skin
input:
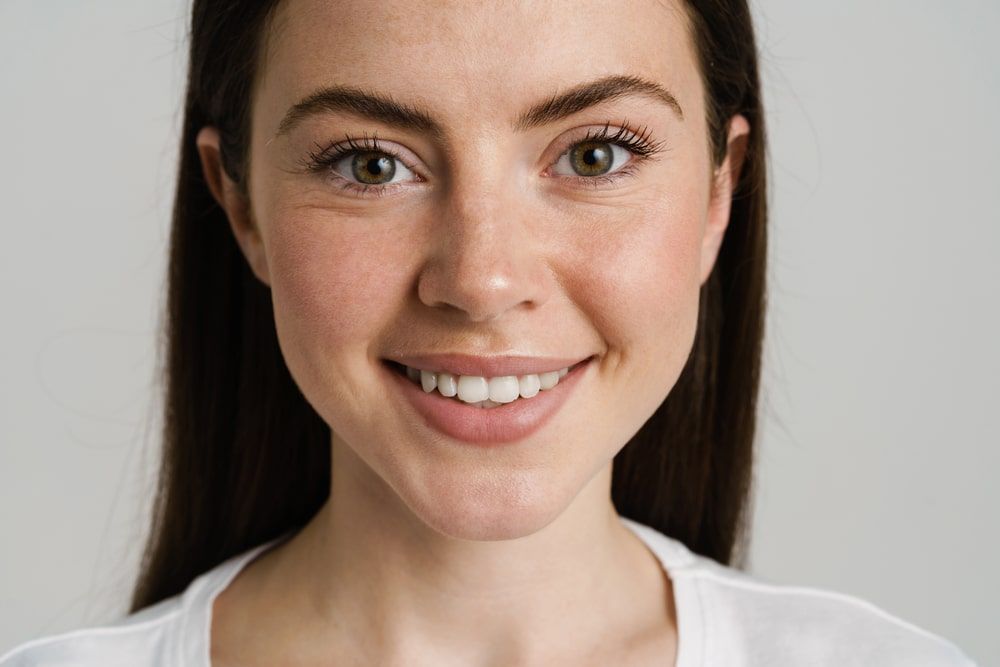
column 488, row 252
column 522, row 266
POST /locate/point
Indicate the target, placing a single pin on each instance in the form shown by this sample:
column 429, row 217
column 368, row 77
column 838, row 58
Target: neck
column 367, row 567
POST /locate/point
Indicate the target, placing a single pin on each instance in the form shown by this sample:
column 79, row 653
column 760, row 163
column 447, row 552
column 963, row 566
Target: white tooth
column 528, row 385
column 413, row 374
column 549, row 380
column 503, row 389
column 563, row 372
column 428, row 381
column 472, row 388
column 447, row 384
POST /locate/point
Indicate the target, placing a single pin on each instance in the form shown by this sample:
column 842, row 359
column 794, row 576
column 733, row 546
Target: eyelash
column 324, row 158
column 638, row 143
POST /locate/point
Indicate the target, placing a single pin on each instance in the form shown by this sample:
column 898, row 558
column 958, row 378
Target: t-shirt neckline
column 193, row 647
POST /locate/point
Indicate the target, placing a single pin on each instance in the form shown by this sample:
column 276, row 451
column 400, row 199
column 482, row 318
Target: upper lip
column 490, row 366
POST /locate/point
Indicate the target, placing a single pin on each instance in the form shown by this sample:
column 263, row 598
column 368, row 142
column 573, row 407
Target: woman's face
column 484, row 224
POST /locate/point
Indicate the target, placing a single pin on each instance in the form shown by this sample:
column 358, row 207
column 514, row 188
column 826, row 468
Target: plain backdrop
column 879, row 443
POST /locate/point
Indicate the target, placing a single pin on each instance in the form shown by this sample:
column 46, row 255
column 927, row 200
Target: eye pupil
column 373, row 168
column 591, row 158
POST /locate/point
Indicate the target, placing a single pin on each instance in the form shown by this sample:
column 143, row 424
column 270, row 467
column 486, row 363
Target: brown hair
column 245, row 458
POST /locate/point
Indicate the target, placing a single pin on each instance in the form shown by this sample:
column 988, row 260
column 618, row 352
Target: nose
column 484, row 259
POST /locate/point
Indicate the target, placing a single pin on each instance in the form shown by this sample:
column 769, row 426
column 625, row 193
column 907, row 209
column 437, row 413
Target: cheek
column 646, row 270
column 334, row 285
column 327, row 285
column 641, row 281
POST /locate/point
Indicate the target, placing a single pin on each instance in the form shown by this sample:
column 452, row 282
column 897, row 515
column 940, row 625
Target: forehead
column 483, row 59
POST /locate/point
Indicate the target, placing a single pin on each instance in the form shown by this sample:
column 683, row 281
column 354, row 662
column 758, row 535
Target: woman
column 453, row 292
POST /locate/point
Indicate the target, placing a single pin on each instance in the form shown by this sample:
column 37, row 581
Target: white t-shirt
column 725, row 618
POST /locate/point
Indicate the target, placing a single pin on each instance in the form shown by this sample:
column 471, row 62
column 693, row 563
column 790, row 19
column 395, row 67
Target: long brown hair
column 245, row 458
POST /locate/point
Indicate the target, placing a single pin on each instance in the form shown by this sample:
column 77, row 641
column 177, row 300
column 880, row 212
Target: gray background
column 879, row 443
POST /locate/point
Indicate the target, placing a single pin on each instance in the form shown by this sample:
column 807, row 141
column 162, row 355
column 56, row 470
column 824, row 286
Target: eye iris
column 591, row 158
column 373, row 168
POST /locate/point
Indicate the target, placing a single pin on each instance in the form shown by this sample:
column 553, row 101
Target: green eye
column 591, row 158
column 373, row 168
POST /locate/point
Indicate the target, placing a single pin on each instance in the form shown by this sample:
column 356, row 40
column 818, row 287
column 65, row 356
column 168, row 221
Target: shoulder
column 174, row 631
column 732, row 618
column 781, row 624
column 142, row 638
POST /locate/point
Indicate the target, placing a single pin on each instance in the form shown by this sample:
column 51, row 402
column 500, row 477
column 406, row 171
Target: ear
column 232, row 200
column 724, row 181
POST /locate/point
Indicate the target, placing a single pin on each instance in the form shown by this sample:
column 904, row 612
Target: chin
column 490, row 507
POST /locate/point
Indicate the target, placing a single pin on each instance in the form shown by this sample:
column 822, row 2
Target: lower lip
column 487, row 426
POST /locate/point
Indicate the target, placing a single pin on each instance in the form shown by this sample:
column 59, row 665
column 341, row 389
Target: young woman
column 464, row 326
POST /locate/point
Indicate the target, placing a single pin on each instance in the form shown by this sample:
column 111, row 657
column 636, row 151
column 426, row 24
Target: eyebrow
column 589, row 94
column 359, row 103
column 384, row 109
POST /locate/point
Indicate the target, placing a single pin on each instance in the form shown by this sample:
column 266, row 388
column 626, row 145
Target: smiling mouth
column 466, row 415
column 401, row 368
column 482, row 392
